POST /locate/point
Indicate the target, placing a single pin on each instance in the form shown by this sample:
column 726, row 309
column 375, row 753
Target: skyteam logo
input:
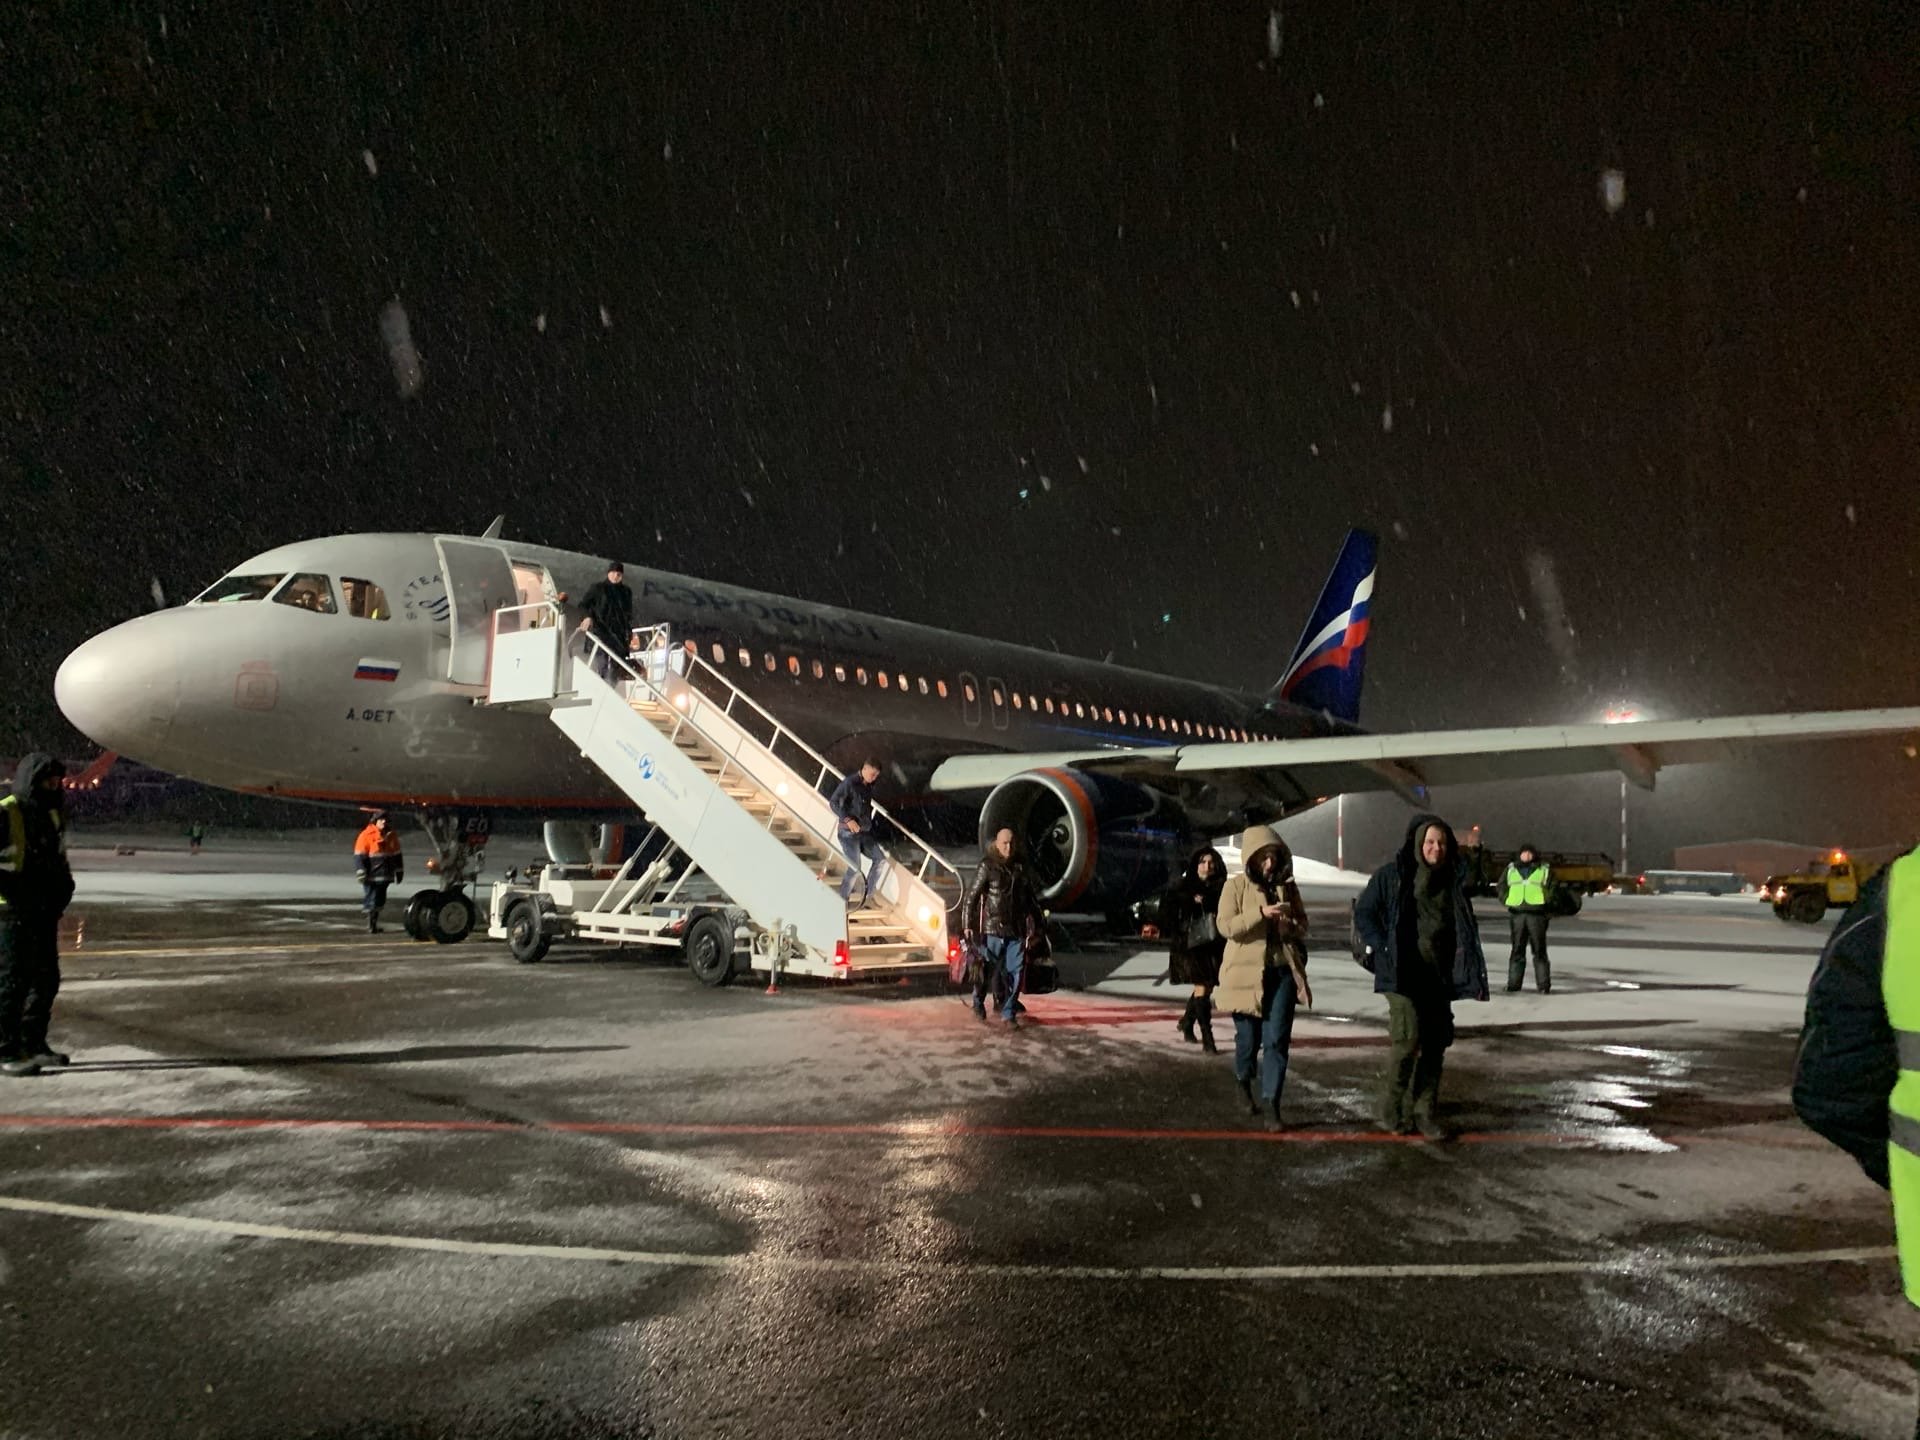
column 646, row 767
column 425, row 597
column 1329, row 661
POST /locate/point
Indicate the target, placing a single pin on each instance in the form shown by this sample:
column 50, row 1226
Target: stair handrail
column 929, row 855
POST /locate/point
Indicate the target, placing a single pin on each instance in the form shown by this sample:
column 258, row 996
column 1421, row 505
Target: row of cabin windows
column 920, row 684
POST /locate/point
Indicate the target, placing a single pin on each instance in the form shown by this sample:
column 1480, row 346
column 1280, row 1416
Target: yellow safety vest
column 1526, row 889
column 1900, row 989
column 14, row 856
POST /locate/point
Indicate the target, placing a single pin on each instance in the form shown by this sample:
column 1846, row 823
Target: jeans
column 373, row 894
column 29, row 979
column 1006, row 962
column 853, row 846
column 1273, row 1032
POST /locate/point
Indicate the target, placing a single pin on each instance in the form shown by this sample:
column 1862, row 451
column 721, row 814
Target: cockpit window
column 236, row 588
column 307, row 592
column 365, row 600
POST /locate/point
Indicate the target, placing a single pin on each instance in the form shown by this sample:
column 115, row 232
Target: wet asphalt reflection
column 302, row 1181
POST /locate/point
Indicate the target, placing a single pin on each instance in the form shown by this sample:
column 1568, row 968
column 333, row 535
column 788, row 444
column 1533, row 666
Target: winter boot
column 19, row 1066
column 1185, row 1026
column 1274, row 1127
column 373, row 922
column 1203, row 1014
column 1516, row 974
column 1246, row 1093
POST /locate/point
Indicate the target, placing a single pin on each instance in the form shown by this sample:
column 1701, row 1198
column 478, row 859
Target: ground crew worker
column 1856, row 1079
column 35, row 886
column 376, row 865
column 1525, row 890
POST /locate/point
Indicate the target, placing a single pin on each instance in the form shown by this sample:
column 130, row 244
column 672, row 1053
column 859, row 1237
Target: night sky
column 1031, row 320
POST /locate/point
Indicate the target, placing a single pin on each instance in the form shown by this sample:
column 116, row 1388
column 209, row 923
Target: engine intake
column 1091, row 842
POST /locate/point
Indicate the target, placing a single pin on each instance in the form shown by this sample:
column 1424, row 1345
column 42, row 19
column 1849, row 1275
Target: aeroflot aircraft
column 346, row 669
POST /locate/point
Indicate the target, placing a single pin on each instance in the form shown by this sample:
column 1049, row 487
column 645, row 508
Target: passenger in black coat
column 1423, row 947
column 1195, row 896
column 1848, row 1062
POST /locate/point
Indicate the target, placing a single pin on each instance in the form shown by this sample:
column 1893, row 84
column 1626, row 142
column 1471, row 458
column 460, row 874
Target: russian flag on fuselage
column 1330, row 661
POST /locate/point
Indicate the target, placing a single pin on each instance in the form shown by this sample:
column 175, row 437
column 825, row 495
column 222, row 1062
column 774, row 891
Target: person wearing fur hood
column 1263, row 973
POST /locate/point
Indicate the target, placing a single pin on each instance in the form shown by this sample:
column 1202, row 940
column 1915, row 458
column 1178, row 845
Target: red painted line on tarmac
column 898, row 1130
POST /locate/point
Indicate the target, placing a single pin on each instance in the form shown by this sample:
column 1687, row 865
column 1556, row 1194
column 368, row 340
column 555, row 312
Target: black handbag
column 1201, row 930
column 1041, row 977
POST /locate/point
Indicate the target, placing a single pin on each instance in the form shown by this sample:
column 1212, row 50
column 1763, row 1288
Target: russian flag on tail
column 1330, row 661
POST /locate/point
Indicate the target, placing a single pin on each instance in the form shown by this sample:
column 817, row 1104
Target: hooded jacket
column 35, row 881
column 1387, row 919
column 376, row 857
column 1253, row 941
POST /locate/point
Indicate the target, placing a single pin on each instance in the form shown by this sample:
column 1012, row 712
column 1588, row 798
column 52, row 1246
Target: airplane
column 350, row 669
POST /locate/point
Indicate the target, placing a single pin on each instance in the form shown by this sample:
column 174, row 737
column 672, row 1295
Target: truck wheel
column 420, row 912
column 710, row 950
column 526, row 940
column 451, row 921
column 1807, row 907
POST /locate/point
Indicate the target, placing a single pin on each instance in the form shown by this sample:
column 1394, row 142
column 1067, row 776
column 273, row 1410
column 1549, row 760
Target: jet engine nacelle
column 1092, row 843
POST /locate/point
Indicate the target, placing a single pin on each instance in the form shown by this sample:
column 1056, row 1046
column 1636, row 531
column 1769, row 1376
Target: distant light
column 926, row 915
column 1613, row 190
column 1167, row 618
column 1024, row 492
column 781, row 788
column 680, row 701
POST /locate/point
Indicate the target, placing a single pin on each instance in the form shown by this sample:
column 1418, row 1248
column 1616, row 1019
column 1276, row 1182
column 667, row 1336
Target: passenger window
column 941, row 687
column 719, row 653
column 237, row 588
column 307, row 592
column 1049, row 705
column 968, row 694
column 923, row 684
column 883, row 679
column 366, row 600
column 746, row 658
column 819, row 671
column 1016, row 699
column 860, row 674
column 1107, row 714
column 770, row 662
column 840, row 674
column 793, row 664
column 998, row 698
column 1079, row 711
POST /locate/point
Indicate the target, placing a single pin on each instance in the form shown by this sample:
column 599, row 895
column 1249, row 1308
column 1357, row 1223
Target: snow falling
column 396, row 333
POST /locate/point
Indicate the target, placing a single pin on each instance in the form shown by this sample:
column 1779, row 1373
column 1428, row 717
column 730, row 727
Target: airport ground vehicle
column 1805, row 895
column 738, row 869
column 1688, row 882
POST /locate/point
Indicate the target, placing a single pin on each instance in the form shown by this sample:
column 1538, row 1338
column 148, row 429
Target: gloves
column 361, row 874
column 399, row 874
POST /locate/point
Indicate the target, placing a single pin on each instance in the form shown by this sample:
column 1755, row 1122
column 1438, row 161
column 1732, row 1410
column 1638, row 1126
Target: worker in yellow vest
column 35, row 886
column 1524, row 889
column 1856, row 1079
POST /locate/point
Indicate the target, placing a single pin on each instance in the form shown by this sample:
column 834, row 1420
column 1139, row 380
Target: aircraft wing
column 1411, row 763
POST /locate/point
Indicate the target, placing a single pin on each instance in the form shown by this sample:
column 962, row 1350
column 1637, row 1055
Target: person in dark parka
column 36, row 885
column 1186, row 910
column 1423, row 946
column 1848, row 1060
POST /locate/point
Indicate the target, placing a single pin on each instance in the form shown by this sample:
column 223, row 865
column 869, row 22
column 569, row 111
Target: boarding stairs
column 735, row 792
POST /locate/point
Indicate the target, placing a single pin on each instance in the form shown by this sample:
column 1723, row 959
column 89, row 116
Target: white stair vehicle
column 741, row 867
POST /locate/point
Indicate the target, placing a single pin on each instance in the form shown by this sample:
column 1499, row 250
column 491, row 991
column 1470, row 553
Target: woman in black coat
column 1195, row 943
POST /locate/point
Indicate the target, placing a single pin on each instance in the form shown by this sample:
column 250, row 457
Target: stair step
column 890, row 949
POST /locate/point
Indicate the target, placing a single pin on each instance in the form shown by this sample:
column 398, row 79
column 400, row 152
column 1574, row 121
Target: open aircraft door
column 480, row 581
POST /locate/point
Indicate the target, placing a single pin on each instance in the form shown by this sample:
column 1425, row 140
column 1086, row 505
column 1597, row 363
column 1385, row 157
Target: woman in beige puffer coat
column 1263, row 975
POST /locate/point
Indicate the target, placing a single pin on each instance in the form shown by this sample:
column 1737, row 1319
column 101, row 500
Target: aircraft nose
column 122, row 689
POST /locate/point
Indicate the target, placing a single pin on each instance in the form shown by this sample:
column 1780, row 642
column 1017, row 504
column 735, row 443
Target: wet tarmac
column 303, row 1181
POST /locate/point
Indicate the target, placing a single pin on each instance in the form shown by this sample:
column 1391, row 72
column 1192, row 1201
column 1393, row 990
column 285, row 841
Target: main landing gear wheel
column 451, row 921
column 525, row 939
column 419, row 911
column 710, row 950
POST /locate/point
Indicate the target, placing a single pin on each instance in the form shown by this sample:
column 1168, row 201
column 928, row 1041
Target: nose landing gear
column 448, row 915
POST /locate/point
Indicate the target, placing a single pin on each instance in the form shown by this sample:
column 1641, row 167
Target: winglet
column 1330, row 661
column 492, row 532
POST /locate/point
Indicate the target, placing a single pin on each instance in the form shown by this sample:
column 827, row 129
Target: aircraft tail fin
column 1330, row 661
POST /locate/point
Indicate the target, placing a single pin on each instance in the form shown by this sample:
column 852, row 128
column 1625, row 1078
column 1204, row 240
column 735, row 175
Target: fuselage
column 319, row 670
